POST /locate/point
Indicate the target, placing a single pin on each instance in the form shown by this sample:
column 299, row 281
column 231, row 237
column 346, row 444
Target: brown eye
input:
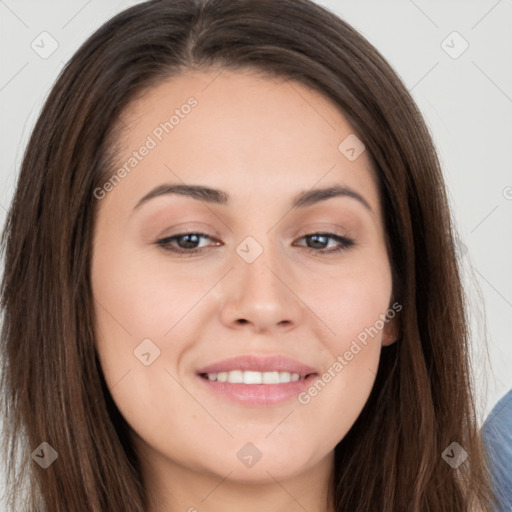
column 183, row 243
column 319, row 242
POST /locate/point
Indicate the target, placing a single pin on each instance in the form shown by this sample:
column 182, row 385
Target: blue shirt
column 497, row 437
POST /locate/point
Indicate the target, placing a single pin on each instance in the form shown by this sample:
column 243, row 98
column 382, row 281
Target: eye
column 321, row 241
column 187, row 243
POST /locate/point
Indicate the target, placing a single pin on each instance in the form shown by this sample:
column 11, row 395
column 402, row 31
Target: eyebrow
column 215, row 196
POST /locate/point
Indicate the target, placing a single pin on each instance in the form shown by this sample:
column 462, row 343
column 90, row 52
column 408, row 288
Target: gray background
column 466, row 98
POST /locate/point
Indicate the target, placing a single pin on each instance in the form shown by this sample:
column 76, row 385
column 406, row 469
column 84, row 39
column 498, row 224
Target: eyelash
column 345, row 243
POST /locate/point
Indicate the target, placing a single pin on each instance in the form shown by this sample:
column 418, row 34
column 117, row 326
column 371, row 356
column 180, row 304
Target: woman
column 313, row 355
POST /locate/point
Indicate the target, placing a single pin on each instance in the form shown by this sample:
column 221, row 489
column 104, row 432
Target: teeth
column 250, row 377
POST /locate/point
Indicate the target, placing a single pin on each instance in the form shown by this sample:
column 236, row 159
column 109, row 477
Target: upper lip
column 274, row 363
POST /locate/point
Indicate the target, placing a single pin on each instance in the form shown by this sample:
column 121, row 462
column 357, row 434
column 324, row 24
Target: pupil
column 321, row 244
column 188, row 243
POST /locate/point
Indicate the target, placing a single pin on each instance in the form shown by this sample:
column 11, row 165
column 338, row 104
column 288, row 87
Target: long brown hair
column 53, row 389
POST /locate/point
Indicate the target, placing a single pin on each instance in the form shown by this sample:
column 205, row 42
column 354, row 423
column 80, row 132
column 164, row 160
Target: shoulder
column 499, row 421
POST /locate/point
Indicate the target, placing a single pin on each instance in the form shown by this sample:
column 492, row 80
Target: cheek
column 353, row 305
column 139, row 296
column 136, row 301
column 351, row 301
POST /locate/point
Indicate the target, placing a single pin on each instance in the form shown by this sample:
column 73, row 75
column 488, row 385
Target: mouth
column 256, row 381
column 254, row 377
column 255, row 392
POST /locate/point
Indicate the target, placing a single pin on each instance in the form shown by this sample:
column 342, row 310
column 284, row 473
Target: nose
column 262, row 297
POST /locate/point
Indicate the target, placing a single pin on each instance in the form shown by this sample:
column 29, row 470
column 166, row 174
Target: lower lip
column 260, row 395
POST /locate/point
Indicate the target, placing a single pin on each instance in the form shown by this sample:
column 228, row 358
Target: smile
column 253, row 377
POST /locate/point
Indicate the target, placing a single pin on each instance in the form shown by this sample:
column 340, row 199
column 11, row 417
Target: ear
column 391, row 330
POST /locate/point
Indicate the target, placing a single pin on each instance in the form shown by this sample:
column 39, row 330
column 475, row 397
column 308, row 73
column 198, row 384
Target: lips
column 275, row 363
column 280, row 380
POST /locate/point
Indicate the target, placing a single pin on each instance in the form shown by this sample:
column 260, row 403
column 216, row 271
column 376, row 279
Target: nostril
column 242, row 321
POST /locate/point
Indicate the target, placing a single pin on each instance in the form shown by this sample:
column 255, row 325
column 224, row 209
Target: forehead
column 238, row 131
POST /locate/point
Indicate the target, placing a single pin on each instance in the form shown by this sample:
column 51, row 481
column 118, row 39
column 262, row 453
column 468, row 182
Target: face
column 182, row 281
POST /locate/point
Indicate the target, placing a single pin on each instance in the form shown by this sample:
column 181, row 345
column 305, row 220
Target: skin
column 262, row 141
